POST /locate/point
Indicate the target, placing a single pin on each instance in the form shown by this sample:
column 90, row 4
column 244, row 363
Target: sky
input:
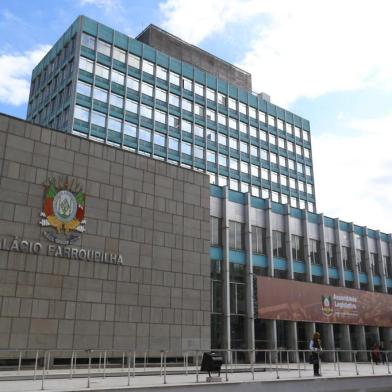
column 327, row 61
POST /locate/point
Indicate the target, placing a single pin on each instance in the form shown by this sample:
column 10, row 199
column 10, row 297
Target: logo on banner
column 63, row 210
column 326, row 305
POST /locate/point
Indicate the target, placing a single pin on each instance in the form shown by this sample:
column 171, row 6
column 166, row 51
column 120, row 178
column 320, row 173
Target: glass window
column 145, row 135
column 147, row 89
column 174, row 121
column 210, row 114
column 114, row 124
column 244, row 147
column 273, row 157
column 159, row 139
column 298, row 149
column 236, row 235
column 100, row 94
column 297, row 132
column 232, row 123
column 146, row 111
column 293, row 202
column 118, row 77
column 272, row 139
column 211, row 156
column 186, row 105
column 308, row 170
column 244, row 167
column 148, row 67
column 98, row 119
column 309, row 189
column 222, row 139
column 346, row 258
column 198, row 130
column 187, row 84
column 216, row 231
column 264, row 174
column 275, row 197
column 280, row 124
column 244, row 187
column 297, row 246
column 133, row 84
column 263, row 136
column 255, row 191
column 173, row 143
column 84, row 88
column 331, row 254
column 81, row 113
column 222, row 160
column 160, row 116
column 252, row 112
column 258, row 240
column 301, row 186
column 253, row 131
column 254, row 151
column 291, row 164
column 129, row 129
column 283, row 180
column 116, row 100
column 211, row 135
column 306, row 153
column 86, row 65
column 282, row 161
column 281, row 142
column 262, row 117
column 174, row 100
column 232, row 104
column 284, row 198
column 305, row 135
column 161, row 73
column 199, row 110
column 254, row 170
column 131, row 106
column 210, row 94
column 243, row 128
column 133, row 61
column 88, row 41
column 199, row 89
column 174, row 78
column 289, row 128
column 161, row 95
column 186, row 148
column 274, row 177
column 222, row 99
column 222, row 119
column 198, row 152
column 314, row 251
column 271, row 121
column 242, row 108
column 186, row 126
column 233, row 143
column 102, row 71
column 119, row 54
column 233, row 164
column 265, row 193
column 292, row 183
column 104, row 48
column 278, row 244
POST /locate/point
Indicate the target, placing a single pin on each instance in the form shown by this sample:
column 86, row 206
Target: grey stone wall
column 155, row 214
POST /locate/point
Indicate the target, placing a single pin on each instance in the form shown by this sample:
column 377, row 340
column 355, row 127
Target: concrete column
column 381, row 264
column 305, row 230
column 272, row 338
column 250, row 322
column 339, row 258
column 268, row 238
column 323, row 252
column 345, row 344
column 361, row 340
column 368, row 260
column 226, row 272
column 327, row 341
column 310, row 329
column 292, row 337
column 354, row 261
column 289, row 253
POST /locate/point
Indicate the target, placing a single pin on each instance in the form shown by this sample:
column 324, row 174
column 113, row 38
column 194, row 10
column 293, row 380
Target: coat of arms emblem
column 326, row 305
column 63, row 210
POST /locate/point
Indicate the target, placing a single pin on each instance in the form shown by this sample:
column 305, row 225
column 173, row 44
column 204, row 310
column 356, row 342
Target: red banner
column 281, row 299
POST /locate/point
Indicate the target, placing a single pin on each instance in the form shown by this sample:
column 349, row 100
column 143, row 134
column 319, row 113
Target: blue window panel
column 89, row 26
column 299, row 267
column 87, row 52
column 280, row 264
column 200, row 76
column 216, row 191
column 358, row 230
column 174, row 156
column 259, row 260
column 120, row 40
column 98, row 132
column 317, row 270
column 256, row 202
column 105, row 33
column 149, row 53
column 389, row 282
column 363, row 278
column 384, row 237
column 175, row 65
column 216, row 253
column 187, row 71
column 377, row 280
column 372, row 233
column 211, row 81
column 349, row 275
column 237, row 197
column 130, row 141
column 313, row 218
column 333, row 273
column 222, row 86
column 237, row 256
column 329, row 222
column 295, row 212
column 81, row 126
column 278, row 208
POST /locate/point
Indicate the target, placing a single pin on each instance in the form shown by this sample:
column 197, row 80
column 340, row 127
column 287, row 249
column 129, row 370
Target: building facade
column 133, row 96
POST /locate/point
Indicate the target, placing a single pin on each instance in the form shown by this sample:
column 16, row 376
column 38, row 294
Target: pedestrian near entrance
column 315, row 347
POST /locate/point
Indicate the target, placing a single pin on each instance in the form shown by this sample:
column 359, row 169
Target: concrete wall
column 175, row 47
column 156, row 215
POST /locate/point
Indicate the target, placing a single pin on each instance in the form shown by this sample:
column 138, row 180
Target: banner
column 281, row 299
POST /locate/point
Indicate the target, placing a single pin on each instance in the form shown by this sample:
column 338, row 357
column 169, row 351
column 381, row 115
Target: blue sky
column 316, row 58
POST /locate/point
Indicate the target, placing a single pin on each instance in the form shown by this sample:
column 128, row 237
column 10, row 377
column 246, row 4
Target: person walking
column 315, row 348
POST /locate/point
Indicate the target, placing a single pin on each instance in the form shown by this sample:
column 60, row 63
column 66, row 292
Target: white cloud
column 15, row 74
column 107, row 5
column 306, row 49
column 356, row 173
